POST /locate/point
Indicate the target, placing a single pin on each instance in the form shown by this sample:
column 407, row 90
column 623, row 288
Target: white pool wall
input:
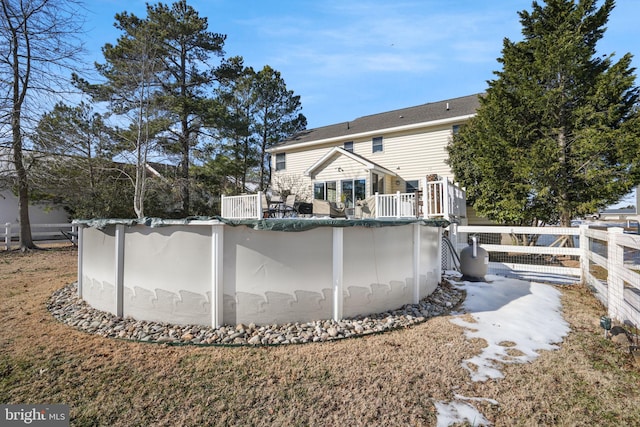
column 209, row 273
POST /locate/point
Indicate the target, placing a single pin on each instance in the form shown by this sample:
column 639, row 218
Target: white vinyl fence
column 608, row 261
column 41, row 233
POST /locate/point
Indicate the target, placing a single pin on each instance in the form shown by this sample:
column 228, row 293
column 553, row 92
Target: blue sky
column 350, row 58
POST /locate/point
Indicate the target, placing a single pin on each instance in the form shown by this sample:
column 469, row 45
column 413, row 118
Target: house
column 43, row 212
column 382, row 153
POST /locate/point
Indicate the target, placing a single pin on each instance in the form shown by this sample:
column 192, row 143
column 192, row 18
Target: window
column 281, row 162
column 412, row 186
column 376, row 145
column 319, row 190
column 352, row 190
column 332, row 192
column 348, row 146
column 325, row 191
column 455, row 129
column 360, row 191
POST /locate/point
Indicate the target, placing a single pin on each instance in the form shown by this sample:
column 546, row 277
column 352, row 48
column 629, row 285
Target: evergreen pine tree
column 557, row 134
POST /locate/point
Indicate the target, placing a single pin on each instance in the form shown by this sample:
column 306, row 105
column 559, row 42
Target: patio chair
column 289, row 208
column 326, row 208
column 267, row 211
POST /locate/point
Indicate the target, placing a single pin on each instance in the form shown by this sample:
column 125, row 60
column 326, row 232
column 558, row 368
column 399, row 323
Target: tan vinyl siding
column 416, row 155
column 411, row 154
column 297, row 163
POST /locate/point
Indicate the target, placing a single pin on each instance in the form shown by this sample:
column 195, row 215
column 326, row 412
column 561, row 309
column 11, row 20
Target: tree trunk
column 184, row 182
column 263, row 151
column 563, row 194
column 26, row 240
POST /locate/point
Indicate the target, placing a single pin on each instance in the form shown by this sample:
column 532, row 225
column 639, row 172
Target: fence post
column 584, row 253
column 615, row 284
column 398, row 204
column 454, row 235
column 7, row 236
column 223, row 206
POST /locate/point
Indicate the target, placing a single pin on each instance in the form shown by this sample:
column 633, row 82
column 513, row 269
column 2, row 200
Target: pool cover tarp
column 295, row 224
column 271, row 224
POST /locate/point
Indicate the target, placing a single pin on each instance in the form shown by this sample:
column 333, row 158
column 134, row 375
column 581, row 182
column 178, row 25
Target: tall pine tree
column 277, row 116
column 557, row 134
column 187, row 78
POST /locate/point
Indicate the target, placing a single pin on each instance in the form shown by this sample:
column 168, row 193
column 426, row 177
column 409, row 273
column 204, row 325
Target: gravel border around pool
column 65, row 306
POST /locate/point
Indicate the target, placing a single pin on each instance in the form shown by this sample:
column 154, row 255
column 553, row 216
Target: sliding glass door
column 352, row 190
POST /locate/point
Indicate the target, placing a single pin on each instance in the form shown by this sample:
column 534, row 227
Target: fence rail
column 607, row 261
column 40, row 233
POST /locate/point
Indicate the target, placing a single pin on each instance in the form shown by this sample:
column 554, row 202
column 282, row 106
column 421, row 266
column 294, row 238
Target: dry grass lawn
column 389, row 379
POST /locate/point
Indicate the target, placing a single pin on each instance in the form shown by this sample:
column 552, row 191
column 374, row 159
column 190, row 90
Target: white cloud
column 351, row 38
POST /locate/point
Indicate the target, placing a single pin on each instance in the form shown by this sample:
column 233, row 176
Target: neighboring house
column 39, row 212
column 382, row 153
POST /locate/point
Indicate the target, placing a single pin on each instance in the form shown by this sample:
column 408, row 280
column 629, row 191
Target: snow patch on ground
column 517, row 319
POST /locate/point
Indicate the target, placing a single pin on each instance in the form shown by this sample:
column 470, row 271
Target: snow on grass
column 517, row 319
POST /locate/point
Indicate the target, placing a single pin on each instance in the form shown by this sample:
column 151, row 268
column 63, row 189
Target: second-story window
column 348, row 146
column 281, row 161
column 376, row 144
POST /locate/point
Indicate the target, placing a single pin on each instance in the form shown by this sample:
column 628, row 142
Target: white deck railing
column 443, row 198
column 436, row 199
column 398, row 205
column 247, row 206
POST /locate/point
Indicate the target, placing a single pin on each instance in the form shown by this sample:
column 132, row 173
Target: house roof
column 449, row 109
column 337, row 151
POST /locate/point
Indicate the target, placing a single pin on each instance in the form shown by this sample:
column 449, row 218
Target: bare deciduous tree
column 38, row 48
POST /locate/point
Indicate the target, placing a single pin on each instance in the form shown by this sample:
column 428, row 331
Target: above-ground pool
column 215, row 272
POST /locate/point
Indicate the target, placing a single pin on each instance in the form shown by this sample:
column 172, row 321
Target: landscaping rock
column 65, row 305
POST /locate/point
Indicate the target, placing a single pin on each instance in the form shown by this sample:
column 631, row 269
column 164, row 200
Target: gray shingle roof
column 406, row 116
